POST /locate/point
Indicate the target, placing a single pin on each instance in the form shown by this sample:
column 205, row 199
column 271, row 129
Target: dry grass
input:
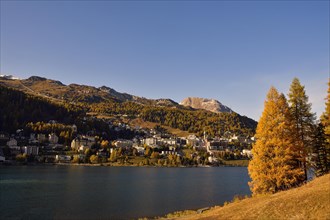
column 311, row 201
column 41, row 89
column 149, row 125
column 238, row 163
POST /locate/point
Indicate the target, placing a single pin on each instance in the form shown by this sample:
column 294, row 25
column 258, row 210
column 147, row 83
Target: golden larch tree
column 275, row 162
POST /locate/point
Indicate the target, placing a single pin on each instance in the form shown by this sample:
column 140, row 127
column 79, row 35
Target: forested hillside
column 18, row 108
column 40, row 99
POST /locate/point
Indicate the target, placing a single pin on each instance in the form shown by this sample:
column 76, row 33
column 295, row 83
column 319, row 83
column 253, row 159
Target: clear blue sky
column 230, row 51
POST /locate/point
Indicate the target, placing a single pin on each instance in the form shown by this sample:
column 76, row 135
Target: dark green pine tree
column 325, row 120
column 322, row 164
column 302, row 119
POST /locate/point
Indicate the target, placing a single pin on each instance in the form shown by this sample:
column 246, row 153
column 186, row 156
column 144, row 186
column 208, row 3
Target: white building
column 12, row 143
column 30, row 150
column 168, row 141
column 150, row 141
column 168, row 152
column 121, row 143
column 212, row 159
column 238, row 138
column 53, row 138
column 63, row 158
column 74, row 128
column 82, row 143
column 140, row 150
column 32, row 139
column 192, row 140
column 247, row 153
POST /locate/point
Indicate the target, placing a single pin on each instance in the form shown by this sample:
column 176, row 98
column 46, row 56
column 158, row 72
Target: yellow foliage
column 275, row 160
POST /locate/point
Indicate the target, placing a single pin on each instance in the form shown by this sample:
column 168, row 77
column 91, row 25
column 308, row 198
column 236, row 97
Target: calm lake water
column 77, row 192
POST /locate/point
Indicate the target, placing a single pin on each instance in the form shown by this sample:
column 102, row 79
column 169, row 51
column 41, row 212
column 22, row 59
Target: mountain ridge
column 57, row 90
column 107, row 102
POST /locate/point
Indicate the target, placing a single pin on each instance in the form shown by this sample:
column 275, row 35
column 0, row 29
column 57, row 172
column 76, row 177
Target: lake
column 81, row 192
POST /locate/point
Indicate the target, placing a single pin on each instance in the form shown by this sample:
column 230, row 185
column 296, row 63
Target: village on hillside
column 155, row 147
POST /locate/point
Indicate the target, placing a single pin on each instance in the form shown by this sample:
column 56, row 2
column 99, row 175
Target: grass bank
column 236, row 163
column 310, row 201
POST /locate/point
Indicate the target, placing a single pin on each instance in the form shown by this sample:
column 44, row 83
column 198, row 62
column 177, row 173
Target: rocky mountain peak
column 212, row 105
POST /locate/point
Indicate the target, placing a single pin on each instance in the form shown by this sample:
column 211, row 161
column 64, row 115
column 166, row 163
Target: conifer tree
column 275, row 162
column 325, row 118
column 322, row 151
column 302, row 119
column 323, row 137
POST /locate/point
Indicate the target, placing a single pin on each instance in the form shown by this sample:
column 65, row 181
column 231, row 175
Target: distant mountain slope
column 105, row 101
column 18, row 108
column 206, row 104
column 77, row 93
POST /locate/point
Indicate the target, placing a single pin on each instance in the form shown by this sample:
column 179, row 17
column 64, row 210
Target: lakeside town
column 148, row 147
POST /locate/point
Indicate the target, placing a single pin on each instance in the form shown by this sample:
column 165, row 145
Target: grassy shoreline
column 309, row 201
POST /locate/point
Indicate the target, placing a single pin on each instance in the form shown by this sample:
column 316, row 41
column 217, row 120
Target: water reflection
column 76, row 192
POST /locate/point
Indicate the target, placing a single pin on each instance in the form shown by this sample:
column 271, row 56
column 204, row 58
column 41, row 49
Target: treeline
column 194, row 121
column 20, row 110
column 290, row 141
column 17, row 109
column 64, row 132
column 199, row 121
